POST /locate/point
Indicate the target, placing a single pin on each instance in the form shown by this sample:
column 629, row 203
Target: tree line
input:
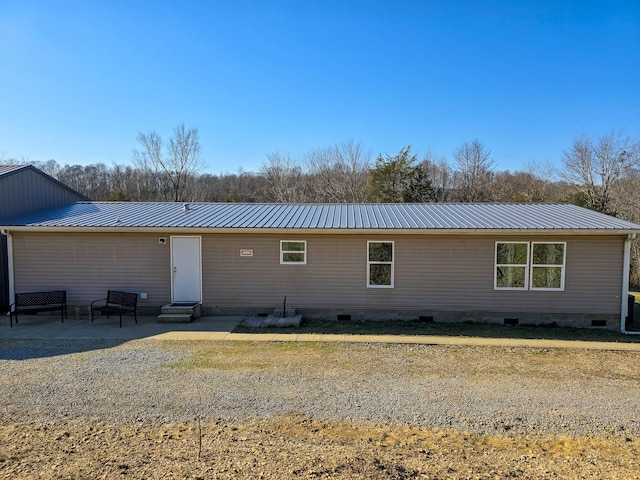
column 599, row 172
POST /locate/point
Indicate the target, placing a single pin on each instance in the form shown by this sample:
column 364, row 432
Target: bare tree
column 50, row 167
column 284, row 179
column 474, row 171
column 7, row 160
column 174, row 168
column 596, row 165
column 339, row 173
column 516, row 187
column 544, row 176
column 536, row 183
column 625, row 201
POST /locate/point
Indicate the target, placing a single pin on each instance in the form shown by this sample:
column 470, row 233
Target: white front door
column 186, row 269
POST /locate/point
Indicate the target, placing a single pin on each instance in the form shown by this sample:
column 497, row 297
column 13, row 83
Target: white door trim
column 199, row 273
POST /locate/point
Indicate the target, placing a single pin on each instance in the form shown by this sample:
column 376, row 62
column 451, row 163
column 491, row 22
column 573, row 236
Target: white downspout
column 626, row 266
column 9, row 263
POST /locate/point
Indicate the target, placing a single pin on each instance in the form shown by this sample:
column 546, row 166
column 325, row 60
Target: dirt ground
column 302, row 448
column 299, row 447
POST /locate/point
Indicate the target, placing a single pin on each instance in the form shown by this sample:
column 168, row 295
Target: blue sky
column 79, row 79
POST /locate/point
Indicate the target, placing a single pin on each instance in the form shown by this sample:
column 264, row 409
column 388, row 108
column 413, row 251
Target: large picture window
column 380, row 264
column 293, row 251
column 530, row 266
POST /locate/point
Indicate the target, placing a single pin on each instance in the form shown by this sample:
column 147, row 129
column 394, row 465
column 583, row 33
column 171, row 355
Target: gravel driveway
column 485, row 390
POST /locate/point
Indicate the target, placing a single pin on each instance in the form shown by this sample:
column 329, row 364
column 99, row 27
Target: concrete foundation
column 577, row 320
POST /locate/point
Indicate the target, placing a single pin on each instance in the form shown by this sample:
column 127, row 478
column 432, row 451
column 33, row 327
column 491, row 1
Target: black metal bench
column 31, row 303
column 117, row 303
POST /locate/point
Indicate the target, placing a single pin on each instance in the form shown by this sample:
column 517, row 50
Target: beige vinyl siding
column 432, row 272
column 23, row 192
column 87, row 265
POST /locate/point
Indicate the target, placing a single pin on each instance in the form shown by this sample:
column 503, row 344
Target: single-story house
column 514, row 263
column 25, row 189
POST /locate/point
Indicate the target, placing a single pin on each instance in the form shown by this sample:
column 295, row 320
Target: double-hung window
column 530, row 266
column 379, row 264
column 293, row 252
column 512, row 263
column 547, row 266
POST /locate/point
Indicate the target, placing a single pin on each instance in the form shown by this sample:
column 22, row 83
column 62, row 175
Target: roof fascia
column 318, row 231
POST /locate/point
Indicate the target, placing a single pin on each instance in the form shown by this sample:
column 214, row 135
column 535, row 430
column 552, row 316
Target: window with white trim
column 547, row 265
column 293, row 251
column 379, row 264
column 530, row 265
column 512, row 265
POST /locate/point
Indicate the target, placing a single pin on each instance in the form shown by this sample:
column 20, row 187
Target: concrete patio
column 220, row 328
column 50, row 327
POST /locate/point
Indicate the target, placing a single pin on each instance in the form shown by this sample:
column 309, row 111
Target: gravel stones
column 485, row 390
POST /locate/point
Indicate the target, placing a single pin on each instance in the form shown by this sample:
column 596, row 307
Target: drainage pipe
column 626, row 265
column 5, row 232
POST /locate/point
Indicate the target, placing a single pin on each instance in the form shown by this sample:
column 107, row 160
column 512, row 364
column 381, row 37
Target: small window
column 547, row 266
column 380, row 264
column 512, row 264
column 293, row 251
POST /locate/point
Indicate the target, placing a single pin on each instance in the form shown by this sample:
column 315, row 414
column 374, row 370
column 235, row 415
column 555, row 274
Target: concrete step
column 191, row 309
column 175, row 318
column 277, row 321
column 290, row 312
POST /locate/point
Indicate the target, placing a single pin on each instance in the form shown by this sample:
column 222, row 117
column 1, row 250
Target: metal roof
column 10, row 168
column 332, row 217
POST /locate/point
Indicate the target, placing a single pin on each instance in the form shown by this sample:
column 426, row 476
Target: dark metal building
column 23, row 190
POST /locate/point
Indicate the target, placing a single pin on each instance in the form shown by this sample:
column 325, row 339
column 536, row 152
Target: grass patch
column 482, row 365
column 466, row 329
column 253, row 355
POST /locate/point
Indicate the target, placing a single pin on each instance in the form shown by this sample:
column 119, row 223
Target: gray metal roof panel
column 4, row 169
column 9, row 170
column 430, row 216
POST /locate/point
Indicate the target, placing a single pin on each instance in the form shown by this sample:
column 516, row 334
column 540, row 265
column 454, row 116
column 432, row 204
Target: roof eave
column 319, row 231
